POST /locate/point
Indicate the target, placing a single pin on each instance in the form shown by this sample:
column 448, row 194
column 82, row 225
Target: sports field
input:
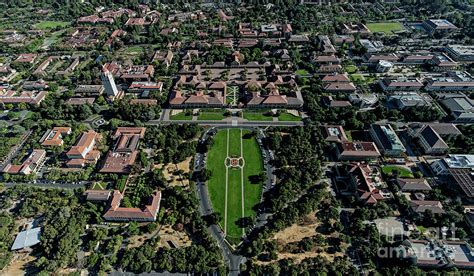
column 234, row 160
column 385, row 27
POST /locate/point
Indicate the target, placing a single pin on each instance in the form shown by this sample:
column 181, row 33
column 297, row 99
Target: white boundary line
column 242, row 176
column 226, row 186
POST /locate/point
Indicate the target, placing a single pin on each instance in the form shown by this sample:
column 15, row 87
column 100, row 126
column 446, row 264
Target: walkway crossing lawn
column 385, row 27
column 211, row 116
column 231, row 193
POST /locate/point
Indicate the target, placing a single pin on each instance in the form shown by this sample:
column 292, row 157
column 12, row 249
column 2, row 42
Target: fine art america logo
column 402, row 252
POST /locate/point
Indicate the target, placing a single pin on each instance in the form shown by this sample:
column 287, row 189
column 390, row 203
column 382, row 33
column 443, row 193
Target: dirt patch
column 18, row 265
column 297, row 232
column 170, row 237
column 176, row 174
column 306, row 228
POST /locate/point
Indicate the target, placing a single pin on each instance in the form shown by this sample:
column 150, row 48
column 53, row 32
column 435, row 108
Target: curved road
column 231, row 259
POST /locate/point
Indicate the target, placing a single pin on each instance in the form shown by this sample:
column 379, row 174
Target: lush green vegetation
column 185, row 115
column 257, row 116
column 385, row 27
column 397, row 170
column 241, row 192
column 285, row 116
column 46, row 25
column 211, row 116
column 7, row 225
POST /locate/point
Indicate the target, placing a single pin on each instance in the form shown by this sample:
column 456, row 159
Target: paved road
column 232, row 260
column 230, row 123
column 69, row 186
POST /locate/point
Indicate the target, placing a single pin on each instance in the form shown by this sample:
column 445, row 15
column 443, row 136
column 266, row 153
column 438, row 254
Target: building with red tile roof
column 31, row 164
column 146, row 214
column 83, row 152
column 124, row 154
column 368, row 184
column 54, row 137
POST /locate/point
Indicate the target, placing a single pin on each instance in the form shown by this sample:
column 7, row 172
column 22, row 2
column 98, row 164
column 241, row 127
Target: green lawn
column 182, row 116
column 288, row 117
column 385, row 27
column 134, row 49
column 253, row 166
column 402, row 171
column 302, row 72
column 257, row 116
column 217, row 182
column 46, row 25
column 212, row 116
column 351, row 69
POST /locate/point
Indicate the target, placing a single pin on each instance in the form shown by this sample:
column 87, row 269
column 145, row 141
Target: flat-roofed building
column 54, row 137
column 387, row 140
column 89, row 90
column 461, row 108
column 400, row 84
column 453, row 161
column 451, row 81
column 357, row 151
column 123, row 156
column 404, row 100
column 332, row 133
column 461, row 53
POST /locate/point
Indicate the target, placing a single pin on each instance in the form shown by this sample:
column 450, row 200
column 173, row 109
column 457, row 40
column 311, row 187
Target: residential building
column 146, row 214
column 54, row 137
column 15, row 97
column 31, row 164
column 163, row 57
column 387, row 140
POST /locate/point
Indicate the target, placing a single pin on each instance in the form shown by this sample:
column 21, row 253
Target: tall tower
column 109, row 83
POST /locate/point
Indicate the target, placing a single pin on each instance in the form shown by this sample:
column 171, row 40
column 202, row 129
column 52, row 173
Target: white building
column 109, row 83
column 453, row 161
